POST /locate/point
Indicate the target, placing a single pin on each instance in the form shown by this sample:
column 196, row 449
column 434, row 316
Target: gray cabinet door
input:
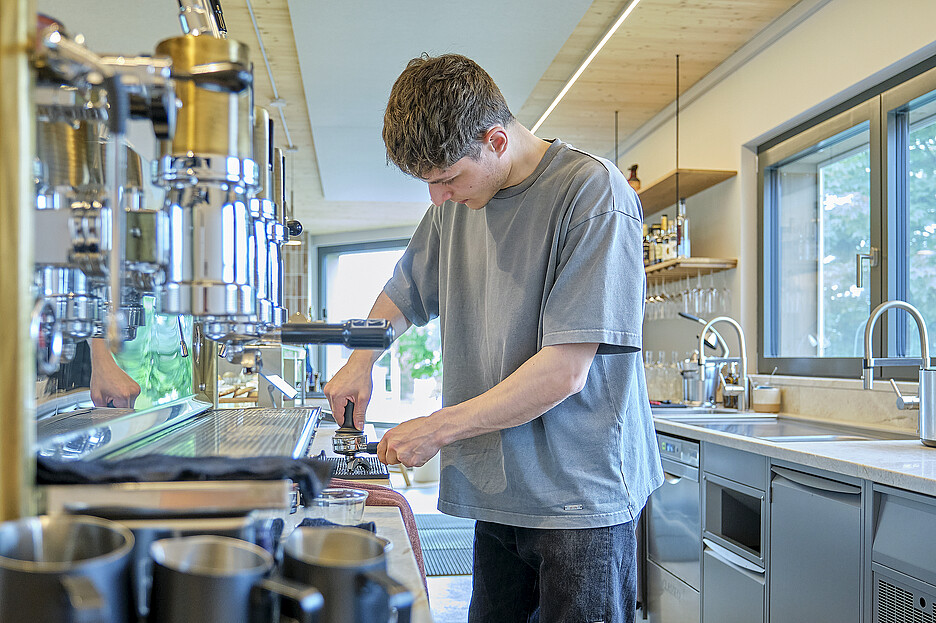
column 730, row 593
column 815, row 549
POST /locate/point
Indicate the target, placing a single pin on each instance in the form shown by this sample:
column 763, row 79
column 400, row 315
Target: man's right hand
column 352, row 382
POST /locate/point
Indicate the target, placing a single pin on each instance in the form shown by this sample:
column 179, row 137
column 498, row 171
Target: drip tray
column 375, row 469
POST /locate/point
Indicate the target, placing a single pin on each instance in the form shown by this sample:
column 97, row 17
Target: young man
column 532, row 258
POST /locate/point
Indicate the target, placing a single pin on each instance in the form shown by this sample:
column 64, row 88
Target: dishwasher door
column 674, row 532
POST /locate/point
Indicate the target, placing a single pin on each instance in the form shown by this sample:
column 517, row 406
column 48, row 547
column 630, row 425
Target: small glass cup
column 339, row 506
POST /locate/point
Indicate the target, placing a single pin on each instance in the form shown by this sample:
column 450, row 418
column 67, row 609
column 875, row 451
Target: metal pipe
column 17, row 366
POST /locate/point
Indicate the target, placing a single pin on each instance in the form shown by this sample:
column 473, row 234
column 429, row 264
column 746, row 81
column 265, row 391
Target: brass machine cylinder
column 17, row 367
column 210, row 121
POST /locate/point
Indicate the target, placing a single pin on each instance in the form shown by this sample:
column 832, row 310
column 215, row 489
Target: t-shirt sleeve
column 598, row 293
column 414, row 285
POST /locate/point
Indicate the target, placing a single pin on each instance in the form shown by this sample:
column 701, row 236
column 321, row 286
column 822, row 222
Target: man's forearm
column 543, row 381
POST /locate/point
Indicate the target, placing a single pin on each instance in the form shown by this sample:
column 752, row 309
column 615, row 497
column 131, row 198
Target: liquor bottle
column 646, row 245
column 664, row 239
column 670, row 253
column 682, row 230
column 656, row 250
column 632, row 179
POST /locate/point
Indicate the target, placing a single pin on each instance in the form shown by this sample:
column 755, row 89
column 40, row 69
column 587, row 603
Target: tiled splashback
column 844, row 400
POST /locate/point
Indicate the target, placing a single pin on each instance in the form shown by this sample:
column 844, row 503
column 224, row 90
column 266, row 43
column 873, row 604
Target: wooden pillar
column 17, row 356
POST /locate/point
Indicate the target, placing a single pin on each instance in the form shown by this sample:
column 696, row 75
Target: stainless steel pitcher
column 349, row 567
column 215, row 579
column 65, row 569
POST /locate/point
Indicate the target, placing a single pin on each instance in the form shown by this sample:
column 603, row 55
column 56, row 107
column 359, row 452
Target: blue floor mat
column 447, row 544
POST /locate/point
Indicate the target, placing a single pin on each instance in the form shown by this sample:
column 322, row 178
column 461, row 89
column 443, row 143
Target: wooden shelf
column 662, row 193
column 672, row 270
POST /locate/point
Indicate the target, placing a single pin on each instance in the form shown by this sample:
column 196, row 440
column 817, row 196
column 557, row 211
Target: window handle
column 873, row 256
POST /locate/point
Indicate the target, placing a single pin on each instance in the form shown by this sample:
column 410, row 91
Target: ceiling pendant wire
column 677, row 129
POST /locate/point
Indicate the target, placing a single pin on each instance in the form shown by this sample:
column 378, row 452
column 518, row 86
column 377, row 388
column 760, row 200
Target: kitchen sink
column 690, row 412
column 775, row 428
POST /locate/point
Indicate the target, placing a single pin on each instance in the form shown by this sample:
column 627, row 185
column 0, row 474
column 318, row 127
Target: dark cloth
column 310, row 475
column 531, row 575
column 318, row 522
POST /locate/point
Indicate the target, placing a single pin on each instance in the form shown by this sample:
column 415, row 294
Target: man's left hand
column 412, row 443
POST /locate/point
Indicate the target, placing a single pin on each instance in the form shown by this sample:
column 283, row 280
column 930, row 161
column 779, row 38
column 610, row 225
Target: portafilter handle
column 347, row 424
column 348, row 440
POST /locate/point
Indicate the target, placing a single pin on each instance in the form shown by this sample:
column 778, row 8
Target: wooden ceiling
column 634, row 74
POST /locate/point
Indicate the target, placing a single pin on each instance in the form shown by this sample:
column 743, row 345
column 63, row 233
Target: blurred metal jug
column 215, row 579
column 349, row 567
column 694, row 393
column 65, row 569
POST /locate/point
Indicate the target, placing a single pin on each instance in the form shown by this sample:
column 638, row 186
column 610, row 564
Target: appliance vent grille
column 898, row 605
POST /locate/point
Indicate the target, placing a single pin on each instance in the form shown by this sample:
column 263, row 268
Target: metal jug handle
column 299, row 601
column 399, row 597
column 84, row 600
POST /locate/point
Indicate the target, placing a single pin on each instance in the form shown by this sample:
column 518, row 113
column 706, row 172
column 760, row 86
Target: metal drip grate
column 235, row 433
column 375, row 469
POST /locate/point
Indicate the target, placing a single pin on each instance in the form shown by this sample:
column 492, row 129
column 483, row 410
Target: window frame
column 322, row 254
column 881, row 107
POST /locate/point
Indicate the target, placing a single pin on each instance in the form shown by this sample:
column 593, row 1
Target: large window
column 408, row 378
column 847, row 221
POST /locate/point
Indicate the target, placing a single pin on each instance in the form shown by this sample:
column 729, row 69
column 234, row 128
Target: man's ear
column 496, row 137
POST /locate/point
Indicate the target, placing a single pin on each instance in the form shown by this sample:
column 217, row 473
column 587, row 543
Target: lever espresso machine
column 349, row 441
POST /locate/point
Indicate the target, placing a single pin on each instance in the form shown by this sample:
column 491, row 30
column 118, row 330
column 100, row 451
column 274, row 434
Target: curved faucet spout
column 867, row 368
column 742, row 355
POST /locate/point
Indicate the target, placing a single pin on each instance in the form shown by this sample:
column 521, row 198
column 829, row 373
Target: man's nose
column 439, row 195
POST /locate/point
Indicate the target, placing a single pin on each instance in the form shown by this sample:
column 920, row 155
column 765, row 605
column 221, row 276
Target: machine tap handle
column 372, row 333
column 905, row 403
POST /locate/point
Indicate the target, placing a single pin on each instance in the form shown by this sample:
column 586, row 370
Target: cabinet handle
column 730, row 558
column 671, row 479
column 816, row 482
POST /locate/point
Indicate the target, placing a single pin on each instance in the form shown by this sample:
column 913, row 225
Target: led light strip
column 588, row 60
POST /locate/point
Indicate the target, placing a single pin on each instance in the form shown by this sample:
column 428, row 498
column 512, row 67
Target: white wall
column 826, row 51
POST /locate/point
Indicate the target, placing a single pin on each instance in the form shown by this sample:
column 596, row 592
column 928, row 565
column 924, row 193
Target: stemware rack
column 673, row 270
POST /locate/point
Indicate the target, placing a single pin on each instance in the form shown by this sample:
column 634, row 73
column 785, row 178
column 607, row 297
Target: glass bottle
column 646, row 245
column 632, row 179
column 682, row 230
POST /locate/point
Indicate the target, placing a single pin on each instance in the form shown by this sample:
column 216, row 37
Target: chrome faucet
column 741, row 389
column 925, row 401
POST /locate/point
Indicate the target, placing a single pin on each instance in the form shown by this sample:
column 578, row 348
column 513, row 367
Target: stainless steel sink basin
column 777, row 429
column 670, row 412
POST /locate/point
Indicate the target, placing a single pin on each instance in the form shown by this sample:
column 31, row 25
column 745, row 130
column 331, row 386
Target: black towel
column 318, row 522
column 311, row 475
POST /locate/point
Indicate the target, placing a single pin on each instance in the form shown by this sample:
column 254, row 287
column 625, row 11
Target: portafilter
column 349, row 441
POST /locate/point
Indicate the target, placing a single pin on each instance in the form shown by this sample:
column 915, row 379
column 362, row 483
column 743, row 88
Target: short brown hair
column 439, row 109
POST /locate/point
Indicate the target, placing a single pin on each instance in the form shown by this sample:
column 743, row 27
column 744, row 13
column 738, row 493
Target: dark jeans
column 529, row 575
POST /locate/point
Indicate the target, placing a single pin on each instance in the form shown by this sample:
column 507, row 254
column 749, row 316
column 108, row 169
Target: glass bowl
column 340, row 506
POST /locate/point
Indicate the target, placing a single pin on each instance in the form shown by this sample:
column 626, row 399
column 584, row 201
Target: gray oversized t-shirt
column 556, row 259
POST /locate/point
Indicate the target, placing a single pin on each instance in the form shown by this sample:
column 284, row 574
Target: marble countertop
column 904, row 464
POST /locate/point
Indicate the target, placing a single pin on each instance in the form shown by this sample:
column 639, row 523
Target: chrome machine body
column 209, row 244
